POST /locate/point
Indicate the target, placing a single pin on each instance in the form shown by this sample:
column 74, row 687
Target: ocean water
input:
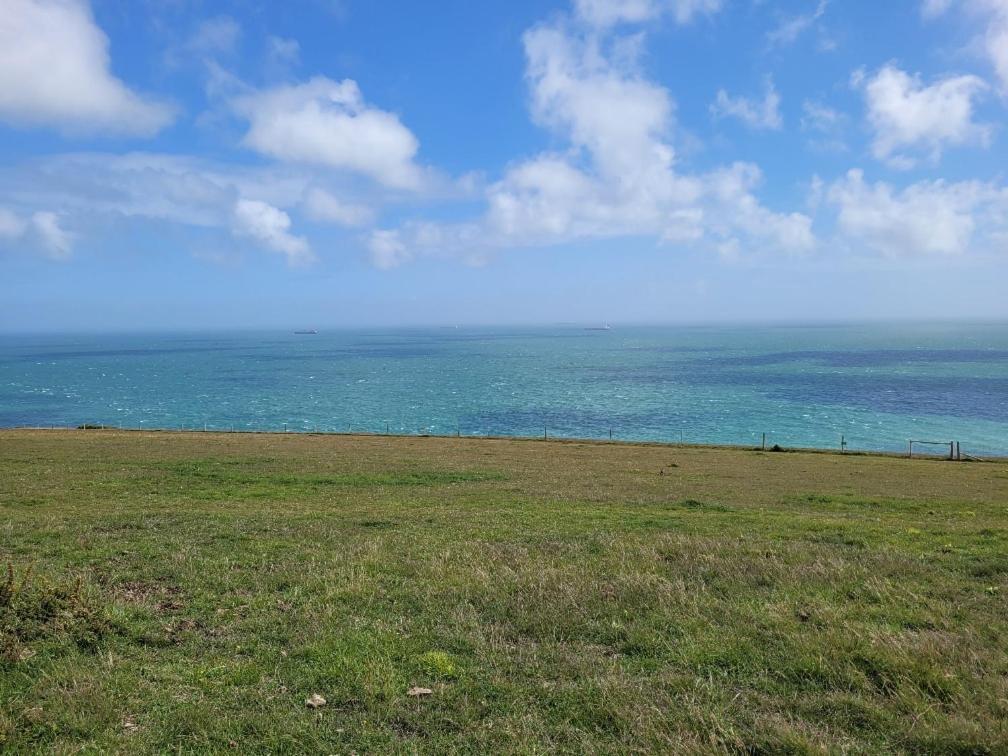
column 875, row 385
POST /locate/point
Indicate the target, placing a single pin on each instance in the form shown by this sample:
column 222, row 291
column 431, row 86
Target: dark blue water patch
column 913, row 396
column 961, row 397
column 861, row 358
column 968, row 397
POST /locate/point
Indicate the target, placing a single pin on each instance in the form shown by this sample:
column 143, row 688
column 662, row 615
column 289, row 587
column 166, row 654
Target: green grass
column 188, row 592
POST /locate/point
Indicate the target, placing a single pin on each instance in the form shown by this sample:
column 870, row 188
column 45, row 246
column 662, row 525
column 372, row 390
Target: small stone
column 314, row 701
column 416, row 691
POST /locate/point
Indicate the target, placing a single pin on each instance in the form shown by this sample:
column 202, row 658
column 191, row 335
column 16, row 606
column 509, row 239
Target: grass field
column 189, row 592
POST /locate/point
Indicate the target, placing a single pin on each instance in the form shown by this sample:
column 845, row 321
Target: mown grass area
column 189, row 592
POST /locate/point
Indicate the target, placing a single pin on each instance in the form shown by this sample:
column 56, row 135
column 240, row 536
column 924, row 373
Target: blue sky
column 187, row 164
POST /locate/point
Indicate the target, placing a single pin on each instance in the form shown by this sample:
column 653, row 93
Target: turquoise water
column 803, row 386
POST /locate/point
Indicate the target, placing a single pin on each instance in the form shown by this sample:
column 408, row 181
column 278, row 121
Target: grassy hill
column 190, row 591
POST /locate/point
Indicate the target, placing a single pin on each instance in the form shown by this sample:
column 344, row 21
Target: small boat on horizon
column 306, row 332
column 604, row 327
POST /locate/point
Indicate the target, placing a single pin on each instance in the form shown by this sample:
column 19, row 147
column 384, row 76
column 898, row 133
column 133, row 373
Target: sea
column 868, row 386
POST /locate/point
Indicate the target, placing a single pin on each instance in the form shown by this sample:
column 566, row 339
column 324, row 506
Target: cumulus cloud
column 325, row 122
column 909, row 117
column 618, row 176
column 55, row 71
column 756, row 114
column 605, row 13
column 925, row 218
column 270, row 227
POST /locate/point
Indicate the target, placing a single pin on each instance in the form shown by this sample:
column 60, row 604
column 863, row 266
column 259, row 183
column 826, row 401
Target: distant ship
column 306, row 332
column 604, row 327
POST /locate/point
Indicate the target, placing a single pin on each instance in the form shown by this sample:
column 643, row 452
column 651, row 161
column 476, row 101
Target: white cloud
column 41, row 231
column 141, row 185
column 925, row 218
column 996, row 36
column 907, row 116
column 324, row 206
column 606, row 13
column 756, row 114
column 388, row 250
column 270, row 227
column 324, row 122
column 617, row 178
column 793, row 27
column 617, row 116
column 994, row 14
column 55, row 71
column 55, row 242
column 100, row 190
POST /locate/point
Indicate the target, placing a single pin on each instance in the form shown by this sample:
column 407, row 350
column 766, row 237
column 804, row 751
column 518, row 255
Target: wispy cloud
column 792, row 27
column 761, row 114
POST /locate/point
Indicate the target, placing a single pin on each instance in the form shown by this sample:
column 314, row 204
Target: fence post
column 610, row 434
column 910, row 451
column 763, row 447
column 544, row 433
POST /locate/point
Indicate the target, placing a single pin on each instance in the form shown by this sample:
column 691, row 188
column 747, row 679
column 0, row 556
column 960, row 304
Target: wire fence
column 932, row 449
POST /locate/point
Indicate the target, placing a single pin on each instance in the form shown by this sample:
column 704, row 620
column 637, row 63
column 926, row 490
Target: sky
column 336, row 163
